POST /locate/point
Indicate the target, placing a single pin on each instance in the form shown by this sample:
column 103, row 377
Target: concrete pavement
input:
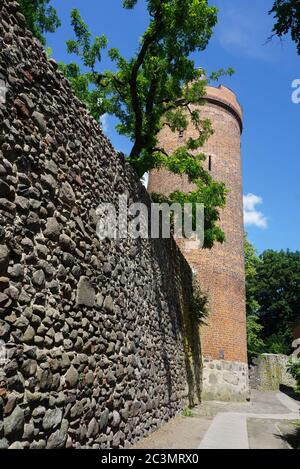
column 259, row 424
column 230, row 430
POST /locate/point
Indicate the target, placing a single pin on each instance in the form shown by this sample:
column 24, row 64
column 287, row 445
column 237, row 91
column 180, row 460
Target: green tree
column 294, row 369
column 254, row 328
column 252, row 262
column 287, row 17
column 256, row 344
column 273, row 299
column 158, row 86
column 278, row 295
column 40, row 17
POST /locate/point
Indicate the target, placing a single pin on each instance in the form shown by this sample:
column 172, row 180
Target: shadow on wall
column 184, row 304
column 183, row 295
column 194, row 307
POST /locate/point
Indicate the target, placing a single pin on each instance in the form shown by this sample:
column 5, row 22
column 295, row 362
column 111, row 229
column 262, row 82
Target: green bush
column 256, row 344
column 294, row 369
column 279, row 343
column 187, row 412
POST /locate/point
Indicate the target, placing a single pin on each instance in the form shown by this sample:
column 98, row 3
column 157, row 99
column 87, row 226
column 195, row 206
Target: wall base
column 225, row 380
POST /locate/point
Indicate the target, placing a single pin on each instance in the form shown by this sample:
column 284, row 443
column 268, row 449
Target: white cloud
column 250, row 202
column 104, row 122
column 252, row 216
column 255, row 219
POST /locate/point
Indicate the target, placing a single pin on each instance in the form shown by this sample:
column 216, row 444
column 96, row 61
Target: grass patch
column 187, row 412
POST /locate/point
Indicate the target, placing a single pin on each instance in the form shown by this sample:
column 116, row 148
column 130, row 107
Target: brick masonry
column 220, row 270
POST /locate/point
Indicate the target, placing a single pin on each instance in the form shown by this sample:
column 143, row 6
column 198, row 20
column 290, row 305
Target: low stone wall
column 225, row 380
column 269, row 372
column 101, row 346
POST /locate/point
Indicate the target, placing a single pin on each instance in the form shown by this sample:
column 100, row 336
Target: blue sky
column 263, row 80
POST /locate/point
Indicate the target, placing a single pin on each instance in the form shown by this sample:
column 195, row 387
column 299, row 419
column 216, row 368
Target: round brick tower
column 220, row 270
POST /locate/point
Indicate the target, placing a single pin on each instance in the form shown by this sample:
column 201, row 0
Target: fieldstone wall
column 225, row 380
column 269, row 372
column 100, row 343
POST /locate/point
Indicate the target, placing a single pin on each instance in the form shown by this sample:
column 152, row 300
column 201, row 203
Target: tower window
column 209, row 163
column 181, row 133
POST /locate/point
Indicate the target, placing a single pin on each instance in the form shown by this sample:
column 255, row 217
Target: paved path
column 229, row 430
column 259, row 424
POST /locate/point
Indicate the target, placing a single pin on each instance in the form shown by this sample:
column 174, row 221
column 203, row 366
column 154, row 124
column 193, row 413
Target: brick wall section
column 220, row 270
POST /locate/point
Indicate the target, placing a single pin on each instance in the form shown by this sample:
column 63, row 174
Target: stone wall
column 225, row 380
column 101, row 346
column 269, row 372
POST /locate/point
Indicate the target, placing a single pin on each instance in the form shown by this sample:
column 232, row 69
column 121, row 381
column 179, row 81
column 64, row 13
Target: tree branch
column 178, row 103
column 160, row 150
column 151, row 96
column 196, row 125
column 137, row 108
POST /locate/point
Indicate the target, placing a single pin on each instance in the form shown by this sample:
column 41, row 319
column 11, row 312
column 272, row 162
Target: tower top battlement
column 226, row 98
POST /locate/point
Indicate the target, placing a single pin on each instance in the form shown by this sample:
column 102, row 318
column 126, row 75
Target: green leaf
column 40, row 17
column 159, row 85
